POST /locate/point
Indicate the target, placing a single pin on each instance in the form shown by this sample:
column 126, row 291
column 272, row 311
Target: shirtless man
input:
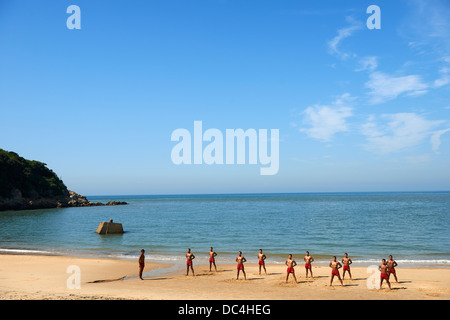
column 261, row 262
column 290, row 268
column 392, row 264
column 141, row 263
column 212, row 260
column 346, row 261
column 189, row 257
column 308, row 259
column 384, row 268
column 240, row 265
column 335, row 265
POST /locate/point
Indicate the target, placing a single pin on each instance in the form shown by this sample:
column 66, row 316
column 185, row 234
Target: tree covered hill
column 31, row 178
column 28, row 184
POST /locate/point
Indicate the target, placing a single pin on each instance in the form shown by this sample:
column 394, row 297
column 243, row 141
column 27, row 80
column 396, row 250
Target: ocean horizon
column 369, row 226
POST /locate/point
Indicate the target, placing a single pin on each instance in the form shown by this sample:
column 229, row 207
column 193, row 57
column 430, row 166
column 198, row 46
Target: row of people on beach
column 386, row 268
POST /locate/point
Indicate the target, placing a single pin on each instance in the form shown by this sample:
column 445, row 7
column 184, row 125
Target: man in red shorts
column 391, row 265
column 346, row 261
column 290, row 268
column 261, row 262
column 308, row 260
column 384, row 268
column 335, row 265
column 141, row 263
column 212, row 259
column 189, row 257
column 240, row 265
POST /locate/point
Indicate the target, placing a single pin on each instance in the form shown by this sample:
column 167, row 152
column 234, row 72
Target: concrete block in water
column 109, row 228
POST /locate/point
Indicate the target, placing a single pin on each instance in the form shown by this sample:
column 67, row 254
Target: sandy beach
column 36, row 277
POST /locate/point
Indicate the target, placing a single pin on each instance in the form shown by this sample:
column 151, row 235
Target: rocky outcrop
column 18, row 202
column 77, row 200
column 28, row 184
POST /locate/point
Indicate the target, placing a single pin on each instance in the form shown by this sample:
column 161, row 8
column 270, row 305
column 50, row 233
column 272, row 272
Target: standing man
column 384, row 268
column 189, row 257
column 141, row 263
column 212, row 260
column 240, row 265
column 346, row 261
column 335, row 265
column 308, row 260
column 261, row 262
column 391, row 265
column 290, row 268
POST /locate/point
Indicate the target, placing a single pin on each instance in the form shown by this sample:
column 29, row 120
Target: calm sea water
column 413, row 227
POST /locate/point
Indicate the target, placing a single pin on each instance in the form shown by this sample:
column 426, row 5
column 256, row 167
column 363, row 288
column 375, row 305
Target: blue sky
column 357, row 109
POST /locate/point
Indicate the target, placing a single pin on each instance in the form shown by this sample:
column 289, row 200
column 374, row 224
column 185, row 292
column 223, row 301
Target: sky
column 357, row 109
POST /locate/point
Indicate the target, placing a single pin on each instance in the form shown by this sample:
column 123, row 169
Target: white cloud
column 402, row 131
column 370, row 128
column 384, row 87
column 341, row 35
column 368, row 63
column 436, row 139
column 444, row 79
column 326, row 121
column 433, row 30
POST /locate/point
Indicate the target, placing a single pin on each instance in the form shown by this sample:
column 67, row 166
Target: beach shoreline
column 229, row 258
column 43, row 277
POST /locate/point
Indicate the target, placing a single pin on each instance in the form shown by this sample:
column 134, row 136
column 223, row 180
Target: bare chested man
column 261, row 261
column 141, row 263
column 392, row 264
column 290, row 268
column 384, row 268
column 335, row 265
column 212, row 258
column 346, row 261
column 240, row 265
column 189, row 257
column 308, row 260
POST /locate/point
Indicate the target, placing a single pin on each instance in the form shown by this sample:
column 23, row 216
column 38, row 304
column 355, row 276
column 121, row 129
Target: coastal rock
column 77, row 200
column 28, row 184
column 115, row 203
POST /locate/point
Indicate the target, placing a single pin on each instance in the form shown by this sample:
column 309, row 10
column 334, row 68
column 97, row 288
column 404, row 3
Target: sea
column 411, row 226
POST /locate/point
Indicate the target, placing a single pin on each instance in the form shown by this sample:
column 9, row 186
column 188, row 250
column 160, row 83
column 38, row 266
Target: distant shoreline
column 227, row 258
column 260, row 193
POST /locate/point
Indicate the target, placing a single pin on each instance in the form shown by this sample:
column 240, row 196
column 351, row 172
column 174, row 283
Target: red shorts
column 346, row 268
column 335, row 272
column 189, row 263
column 261, row 262
column 240, row 267
column 392, row 270
column 307, row 265
column 141, row 265
column 211, row 260
column 290, row 270
column 384, row 276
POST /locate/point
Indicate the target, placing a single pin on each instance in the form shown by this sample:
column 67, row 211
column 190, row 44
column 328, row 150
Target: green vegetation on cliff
column 32, row 178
